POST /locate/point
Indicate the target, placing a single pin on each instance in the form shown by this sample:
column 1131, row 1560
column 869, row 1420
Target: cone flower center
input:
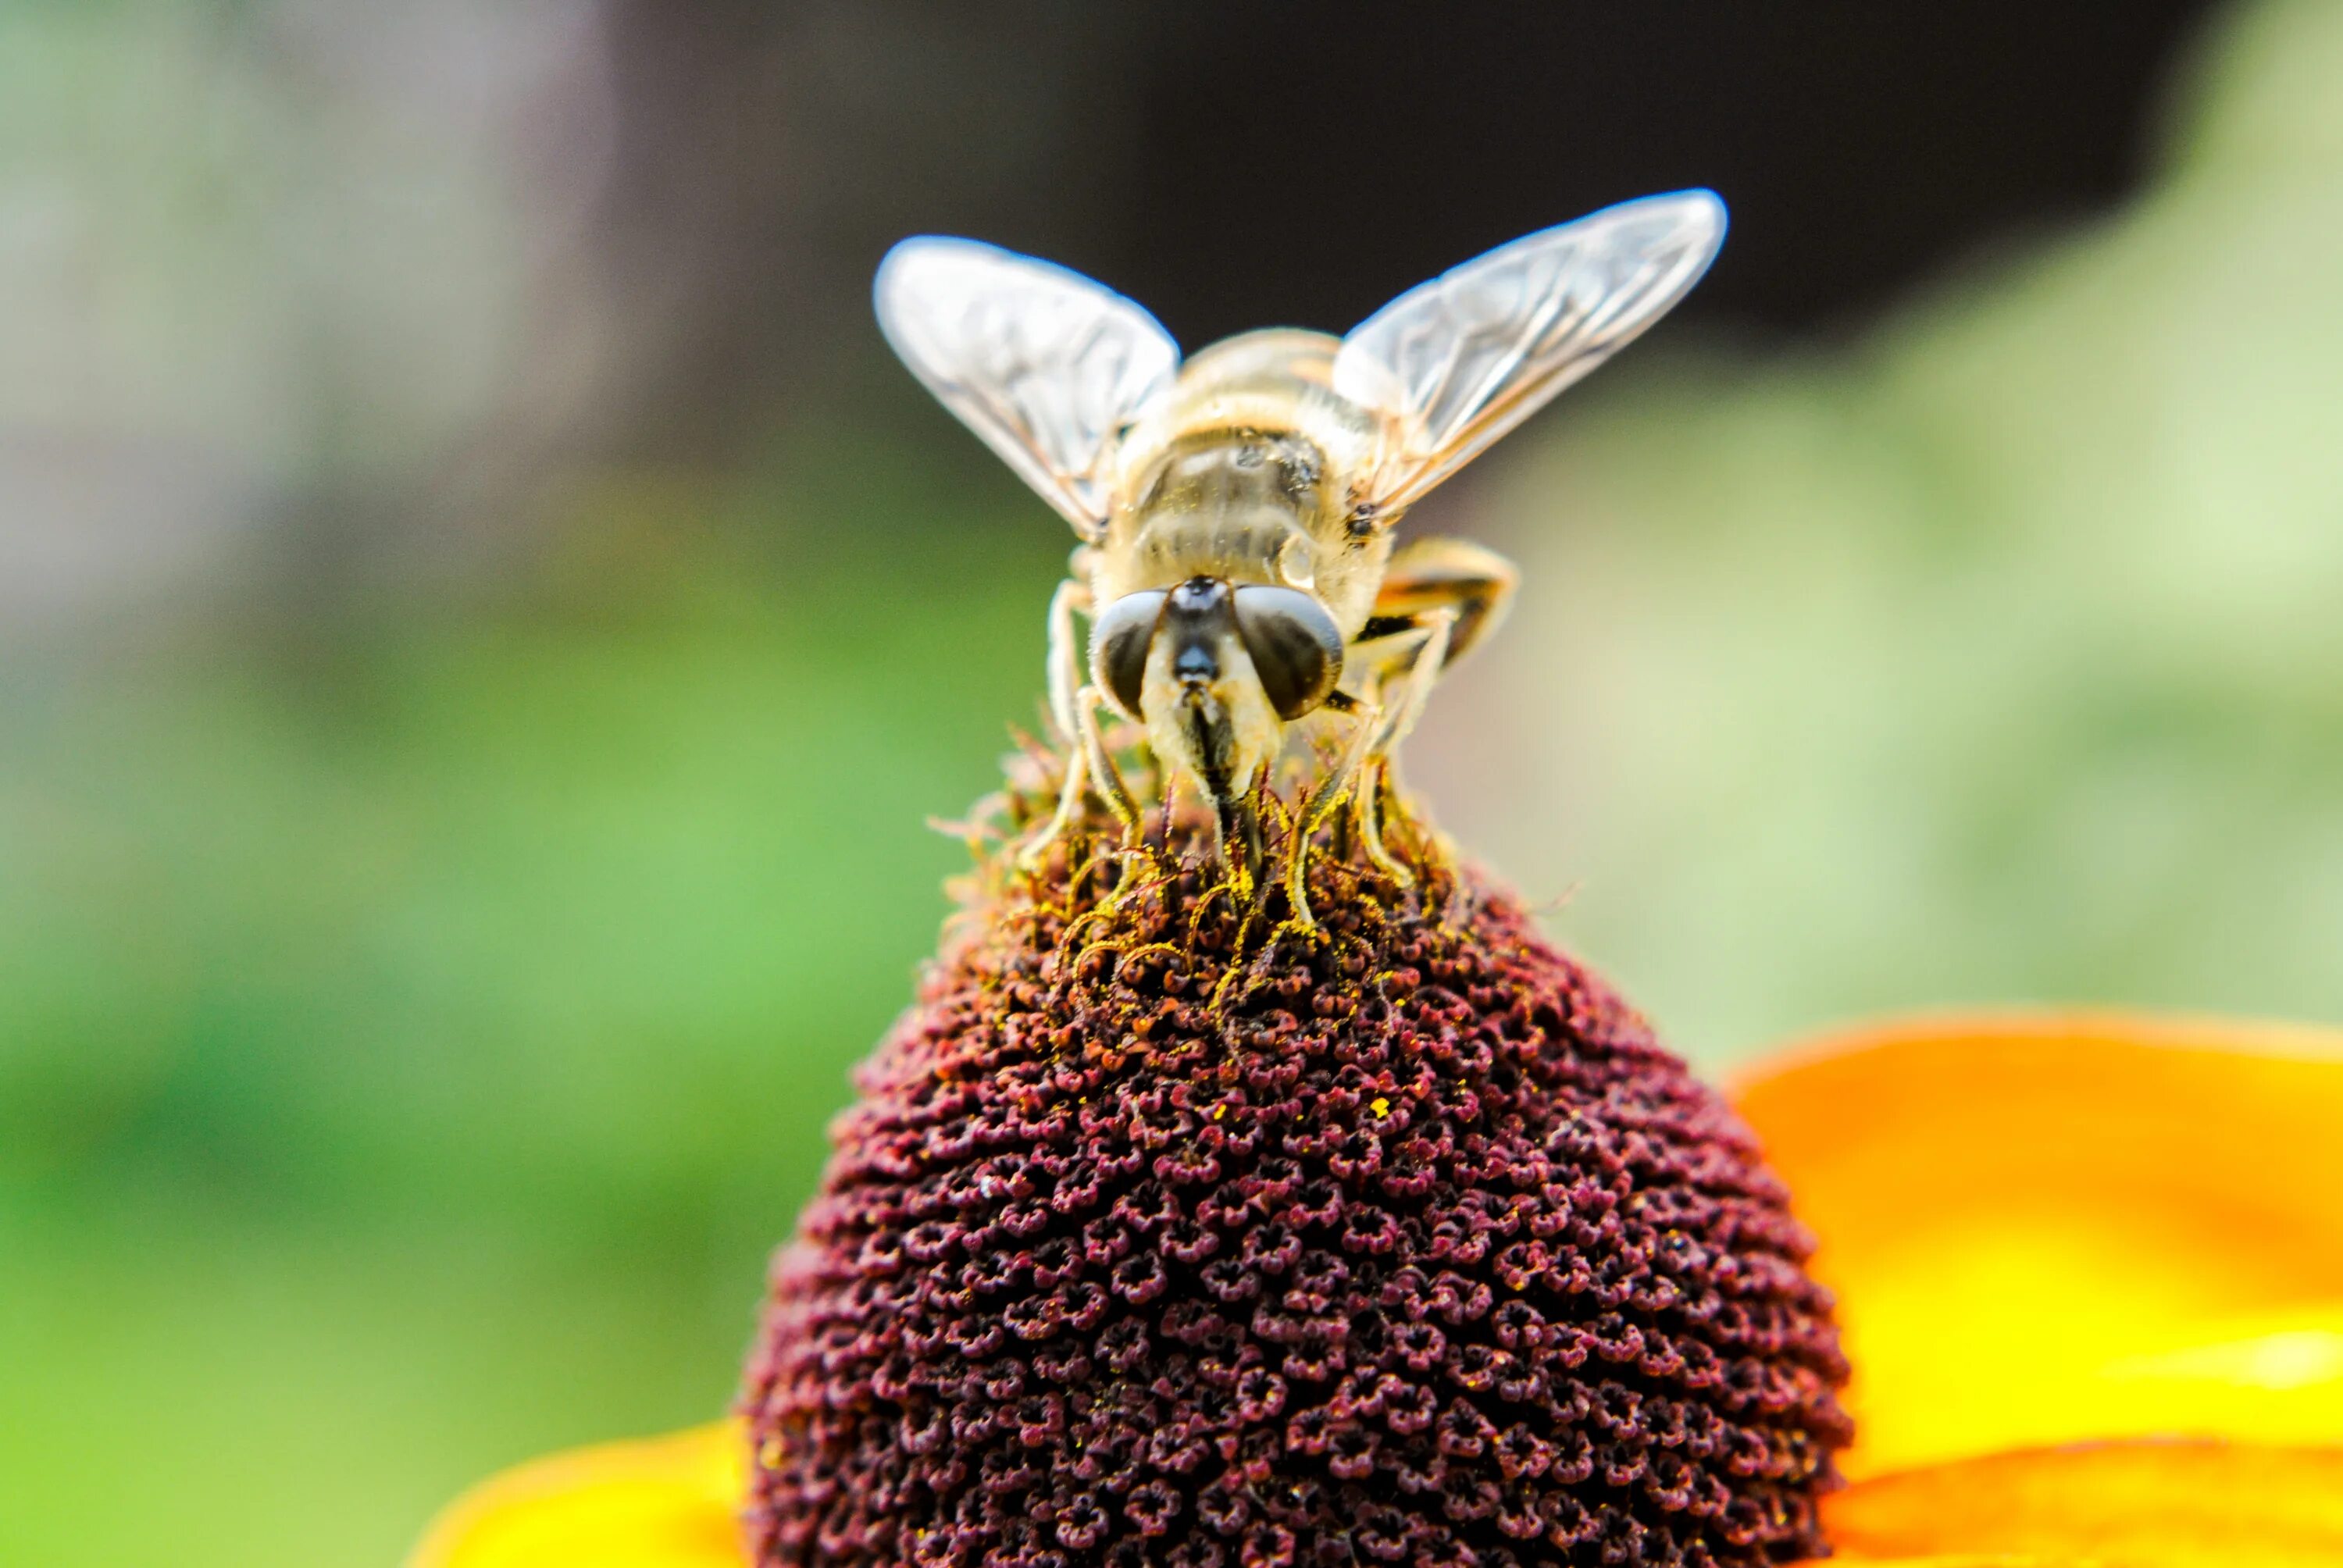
column 1165, row 1231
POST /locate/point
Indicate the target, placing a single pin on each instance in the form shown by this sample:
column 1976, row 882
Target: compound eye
column 1296, row 648
column 1120, row 638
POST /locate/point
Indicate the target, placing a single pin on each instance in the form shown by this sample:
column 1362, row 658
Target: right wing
column 1459, row 361
column 1048, row 366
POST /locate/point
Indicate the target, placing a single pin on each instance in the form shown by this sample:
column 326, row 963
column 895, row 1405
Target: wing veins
column 1454, row 372
column 1045, row 366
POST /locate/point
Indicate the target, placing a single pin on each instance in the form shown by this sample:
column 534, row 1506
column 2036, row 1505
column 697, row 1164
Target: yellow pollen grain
column 1379, row 1105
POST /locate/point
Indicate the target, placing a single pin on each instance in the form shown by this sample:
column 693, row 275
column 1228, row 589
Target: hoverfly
column 1237, row 569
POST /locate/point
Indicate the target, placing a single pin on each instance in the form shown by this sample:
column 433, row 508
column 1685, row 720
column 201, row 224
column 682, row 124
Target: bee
column 1236, row 567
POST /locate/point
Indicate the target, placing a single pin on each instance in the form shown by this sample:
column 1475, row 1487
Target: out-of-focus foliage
column 1994, row 656
column 416, row 1024
column 271, row 270
column 415, row 1040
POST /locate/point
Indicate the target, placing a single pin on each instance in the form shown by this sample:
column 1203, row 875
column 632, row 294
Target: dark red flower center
column 1160, row 1235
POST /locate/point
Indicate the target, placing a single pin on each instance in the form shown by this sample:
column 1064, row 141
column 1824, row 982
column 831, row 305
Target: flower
column 1153, row 1226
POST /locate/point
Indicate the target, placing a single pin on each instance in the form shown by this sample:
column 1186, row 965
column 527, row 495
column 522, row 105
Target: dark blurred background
column 482, row 621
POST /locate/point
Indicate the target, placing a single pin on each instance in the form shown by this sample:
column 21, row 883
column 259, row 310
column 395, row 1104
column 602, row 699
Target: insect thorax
column 1245, row 474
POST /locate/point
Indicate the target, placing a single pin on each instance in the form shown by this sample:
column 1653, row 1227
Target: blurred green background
column 472, row 693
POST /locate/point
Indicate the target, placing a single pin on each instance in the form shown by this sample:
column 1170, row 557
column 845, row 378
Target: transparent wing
column 1459, row 361
column 1042, row 362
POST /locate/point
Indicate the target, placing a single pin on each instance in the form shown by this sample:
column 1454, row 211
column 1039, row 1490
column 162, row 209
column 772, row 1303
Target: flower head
column 1163, row 1234
column 1155, row 1239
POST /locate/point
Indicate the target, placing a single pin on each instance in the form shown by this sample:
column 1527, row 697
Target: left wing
column 1045, row 365
column 1457, row 362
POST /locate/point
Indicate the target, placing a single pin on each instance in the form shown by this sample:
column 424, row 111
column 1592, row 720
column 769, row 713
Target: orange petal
column 664, row 1502
column 2140, row 1504
column 2053, row 1229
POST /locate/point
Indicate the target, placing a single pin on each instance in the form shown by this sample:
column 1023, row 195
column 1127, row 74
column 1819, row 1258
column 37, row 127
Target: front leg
column 1438, row 600
column 1064, row 669
column 1073, row 713
column 1089, row 765
column 1401, row 667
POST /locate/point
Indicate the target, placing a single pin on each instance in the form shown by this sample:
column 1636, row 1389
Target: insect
column 1237, row 568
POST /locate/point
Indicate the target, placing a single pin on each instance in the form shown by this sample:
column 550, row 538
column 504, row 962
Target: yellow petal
column 2054, row 1228
column 663, row 1502
column 2139, row 1504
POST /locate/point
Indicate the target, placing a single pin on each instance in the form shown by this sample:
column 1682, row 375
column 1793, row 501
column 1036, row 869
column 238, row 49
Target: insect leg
column 1423, row 666
column 1069, row 801
column 1065, row 661
column 1402, row 665
column 1319, row 804
column 1106, row 778
column 1429, row 581
column 1426, row 575
column 1367, row 823
column 1088, row 764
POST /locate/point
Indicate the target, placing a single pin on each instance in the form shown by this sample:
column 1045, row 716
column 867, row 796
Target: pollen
column 1165, row 1230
